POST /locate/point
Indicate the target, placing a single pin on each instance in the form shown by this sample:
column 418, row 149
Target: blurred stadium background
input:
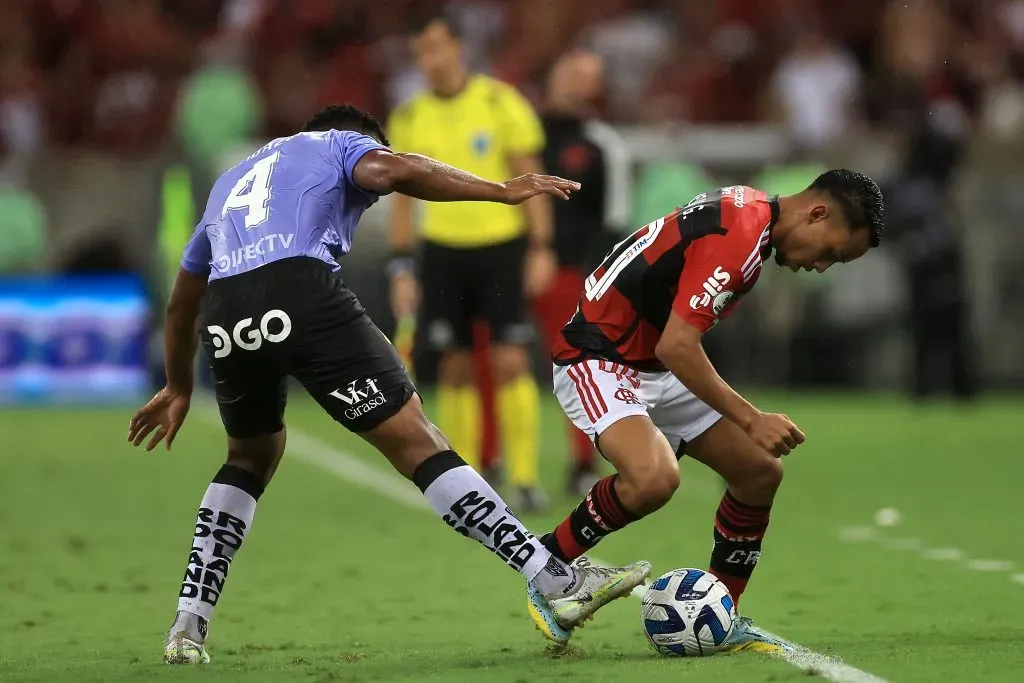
column 116, row 116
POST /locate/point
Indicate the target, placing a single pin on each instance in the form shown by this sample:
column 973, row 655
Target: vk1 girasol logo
column 362, row 396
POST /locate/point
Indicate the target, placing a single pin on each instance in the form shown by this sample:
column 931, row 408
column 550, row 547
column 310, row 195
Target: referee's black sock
column 225, row 516
column 469, row 505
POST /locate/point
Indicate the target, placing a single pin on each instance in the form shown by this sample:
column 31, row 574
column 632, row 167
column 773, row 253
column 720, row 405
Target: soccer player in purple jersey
column 259, row 286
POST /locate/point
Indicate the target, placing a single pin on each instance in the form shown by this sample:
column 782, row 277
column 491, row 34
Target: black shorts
column 461, row 286
column 295, row 317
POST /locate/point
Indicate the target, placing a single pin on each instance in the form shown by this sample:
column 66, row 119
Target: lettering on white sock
column 217, row 538
column 477, row 516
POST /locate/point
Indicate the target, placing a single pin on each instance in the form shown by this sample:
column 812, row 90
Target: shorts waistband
column 289, row 263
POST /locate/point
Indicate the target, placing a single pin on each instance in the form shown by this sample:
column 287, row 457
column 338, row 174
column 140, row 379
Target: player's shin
column 470, row 506
column 600, row 513
column 739, row 531
column 225, row 516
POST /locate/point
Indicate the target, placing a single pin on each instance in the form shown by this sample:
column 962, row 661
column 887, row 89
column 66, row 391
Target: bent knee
column 650, row 488
column 258, row 455
column 768, row 478
column 662, row 485
column 759, row 483
column 407, row 438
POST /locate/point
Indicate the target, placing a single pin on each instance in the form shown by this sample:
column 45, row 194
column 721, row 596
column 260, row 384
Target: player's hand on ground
column 540, row 266
column 165, row 414
column 775, row 433
column 518, row 190
column 404, row 295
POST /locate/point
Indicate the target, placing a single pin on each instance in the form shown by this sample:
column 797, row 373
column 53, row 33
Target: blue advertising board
column 73, row 340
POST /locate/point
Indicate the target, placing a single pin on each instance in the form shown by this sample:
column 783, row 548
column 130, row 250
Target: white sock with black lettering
column 225, row 516
column 470, row 506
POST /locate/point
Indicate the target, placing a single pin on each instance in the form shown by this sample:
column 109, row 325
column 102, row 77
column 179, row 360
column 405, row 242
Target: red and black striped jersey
column 698, row 261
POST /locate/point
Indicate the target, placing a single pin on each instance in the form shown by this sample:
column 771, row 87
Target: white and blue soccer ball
column 688, row 613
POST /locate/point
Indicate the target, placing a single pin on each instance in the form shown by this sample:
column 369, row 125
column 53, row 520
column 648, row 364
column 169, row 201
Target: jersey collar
column 773, row 205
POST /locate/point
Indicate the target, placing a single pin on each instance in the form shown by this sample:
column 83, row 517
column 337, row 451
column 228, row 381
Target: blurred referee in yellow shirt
column 478, row 262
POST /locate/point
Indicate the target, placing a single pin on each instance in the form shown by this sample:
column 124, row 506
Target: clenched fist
column 775, row 433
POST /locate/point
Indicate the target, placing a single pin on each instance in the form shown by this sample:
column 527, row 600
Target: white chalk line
column 351, row 468
column 872, row 534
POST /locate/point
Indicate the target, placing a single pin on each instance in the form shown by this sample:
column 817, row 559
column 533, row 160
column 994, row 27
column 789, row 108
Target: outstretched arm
column 166, row 412
column 419, row 176
column 180, row 333
column 538, row 209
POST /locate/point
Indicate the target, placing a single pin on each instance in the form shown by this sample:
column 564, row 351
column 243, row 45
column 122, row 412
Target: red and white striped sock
column 598, row 515
column 739, row 531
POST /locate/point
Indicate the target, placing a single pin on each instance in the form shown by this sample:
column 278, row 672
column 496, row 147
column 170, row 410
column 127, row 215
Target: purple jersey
column 294, row 197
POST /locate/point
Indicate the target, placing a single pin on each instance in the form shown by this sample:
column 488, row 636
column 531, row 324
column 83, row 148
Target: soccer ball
column 687, row 612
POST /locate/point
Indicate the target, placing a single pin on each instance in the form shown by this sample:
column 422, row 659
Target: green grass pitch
column 337, row 583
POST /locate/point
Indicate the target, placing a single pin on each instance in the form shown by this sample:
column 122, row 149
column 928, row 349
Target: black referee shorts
column 295, row 317
column 463, row 285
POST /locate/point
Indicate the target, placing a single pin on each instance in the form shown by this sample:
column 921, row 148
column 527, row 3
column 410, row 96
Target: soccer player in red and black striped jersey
column 629, row 369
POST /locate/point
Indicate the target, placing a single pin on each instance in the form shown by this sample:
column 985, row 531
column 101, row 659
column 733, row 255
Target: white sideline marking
column 350, row 468
column 867, row 534
column 903, row 543
column 823, row 665
column 943, row 554
column 990, row 565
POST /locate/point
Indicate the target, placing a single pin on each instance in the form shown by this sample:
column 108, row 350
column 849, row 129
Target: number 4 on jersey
column 252, row 192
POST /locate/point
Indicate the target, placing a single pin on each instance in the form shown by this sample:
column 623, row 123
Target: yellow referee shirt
column 476, row 130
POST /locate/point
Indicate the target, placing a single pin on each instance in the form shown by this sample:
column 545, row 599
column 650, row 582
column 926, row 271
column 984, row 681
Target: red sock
column 600, row 513
column 739, row 530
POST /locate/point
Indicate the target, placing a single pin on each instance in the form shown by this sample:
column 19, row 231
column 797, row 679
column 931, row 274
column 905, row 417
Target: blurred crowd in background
column 106, row 74
column 102, row 102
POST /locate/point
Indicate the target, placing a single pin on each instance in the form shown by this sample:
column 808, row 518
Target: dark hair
column 858, row 197
column 421, row 20
column 346, row 117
